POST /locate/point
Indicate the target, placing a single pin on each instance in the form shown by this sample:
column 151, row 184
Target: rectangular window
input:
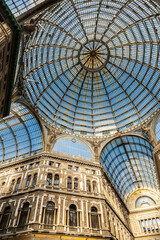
column 58, row 165
column 31, row 165
column 37, row 164
column 150, row 224
column 147, row 225
column 69, row 167
column 158, row 222
column 51, row 163
column 155, row 223
column 87, row 170
column 143, row 227
column 28, row 181
column 76, row 168
column 93, row 172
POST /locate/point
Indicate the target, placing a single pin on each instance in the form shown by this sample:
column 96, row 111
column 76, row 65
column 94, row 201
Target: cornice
column 50, row 156
column 144, row 210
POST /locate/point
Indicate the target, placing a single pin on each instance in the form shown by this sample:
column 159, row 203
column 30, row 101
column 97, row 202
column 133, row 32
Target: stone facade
column 112, row 213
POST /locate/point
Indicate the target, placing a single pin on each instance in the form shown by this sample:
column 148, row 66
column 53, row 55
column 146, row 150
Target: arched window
column 145, row 202
column 18, row 183
column 88, row 186
column 94, row 218
column 49, row 179
column 76, row 184
column 5, row 218
column 94, row 185
column 24, row 215
column 34, row 179
column 28, row 180
column 73, row 215
column 73, row 147
column 56, row 180
column 69, row 183
column 12, row 185
column 49, row 213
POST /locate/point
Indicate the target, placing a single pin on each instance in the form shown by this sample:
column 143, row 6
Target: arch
column 24, row 214
column 23, row 131
column 125, row 159
column 94, row 218
column 73, row 215
column 49, row 213
column 4, row 222
column 136, row 134
column 49, row 179
column 144, row 201
column 73, row 147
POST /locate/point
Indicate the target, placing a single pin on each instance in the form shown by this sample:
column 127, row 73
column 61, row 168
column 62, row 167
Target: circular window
column 93, row 55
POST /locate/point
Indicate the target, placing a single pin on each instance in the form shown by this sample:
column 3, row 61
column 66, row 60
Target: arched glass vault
column 20, row 134
column 129, row 163
column 97, row 64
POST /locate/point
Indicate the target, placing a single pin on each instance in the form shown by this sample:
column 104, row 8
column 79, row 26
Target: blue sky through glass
column 20, row 134
column 73, row 147
column 129, row 163
column 118, row 88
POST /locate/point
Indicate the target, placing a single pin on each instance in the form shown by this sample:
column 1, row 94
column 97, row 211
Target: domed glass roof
column 93, row 67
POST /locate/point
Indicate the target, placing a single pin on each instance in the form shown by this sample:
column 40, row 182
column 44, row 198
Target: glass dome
column 93, row 66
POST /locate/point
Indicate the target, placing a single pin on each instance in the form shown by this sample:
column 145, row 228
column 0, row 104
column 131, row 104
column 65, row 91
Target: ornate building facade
column 80, row 149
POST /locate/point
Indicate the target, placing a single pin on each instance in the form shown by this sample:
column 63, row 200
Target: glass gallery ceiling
column 97, row 64
column 98, row 68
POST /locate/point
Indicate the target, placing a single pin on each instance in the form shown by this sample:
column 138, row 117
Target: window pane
column 73, row 216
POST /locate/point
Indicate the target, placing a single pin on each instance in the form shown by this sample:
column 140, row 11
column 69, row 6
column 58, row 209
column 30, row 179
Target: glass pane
column 72, row 147
column 129, row 163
